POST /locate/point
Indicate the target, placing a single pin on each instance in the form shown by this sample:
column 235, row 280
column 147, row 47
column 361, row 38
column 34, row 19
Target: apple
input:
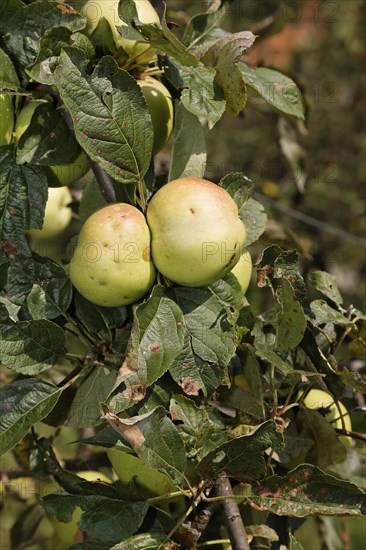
column 6, row 119
column 197, row 236
column 64, row 533
column 111, row 265
column 57, row 214
column 324, row 402
column 93, row 10
column 132, row 472
column 243, row 271
column 58, row 174
column 160, row 105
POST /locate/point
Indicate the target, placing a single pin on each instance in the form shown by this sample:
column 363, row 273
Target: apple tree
column 146, row 401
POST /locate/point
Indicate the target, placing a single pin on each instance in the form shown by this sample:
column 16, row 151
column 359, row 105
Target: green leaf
column 239, row 186
column 99, row 319
column 43, row 284
column 91, row 200
column 273, row 358
column 242, row 457
column 326, row 284
column 290, row 318
column 201, row 95
column 277, row 89
column 202, row 429
column 294, row 543
column 230, row 293
column 324, row 313
column 209, row 341
column 101, row 514
column 47, row 140
column 223, row 55
column 188, row 159
column 23, row 195
column 29, row 347
column 8, row 76
column 307, row 491
column 21, row 40
column 50, row 48
column 156, row 340
column 103, row 100
column 95, row 384
column 355, row 380
column 23, row 403
column 144, row 541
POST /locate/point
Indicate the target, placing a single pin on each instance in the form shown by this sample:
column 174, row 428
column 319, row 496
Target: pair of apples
column 192, row 234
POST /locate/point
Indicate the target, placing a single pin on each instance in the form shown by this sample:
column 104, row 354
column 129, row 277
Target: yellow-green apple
column 93, row 11
column 6, row 119
column 111, row 265
column 160, row 105
column 59, row 174
column 197, row 236
column 325, row 404
column 132, row 472
column 57, row 214
column 243, row 271
column 64, row 533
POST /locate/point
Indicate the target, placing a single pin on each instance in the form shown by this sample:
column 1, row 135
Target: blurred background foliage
column 311, row 177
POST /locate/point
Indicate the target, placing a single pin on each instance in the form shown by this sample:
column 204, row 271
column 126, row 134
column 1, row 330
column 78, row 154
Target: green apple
column 132, row 472
column 243, row 271
column 93, row 10
column 197, row 236
column 111, row 265
column 160, row 105
column 58, row 174
column 319, row 399
column 6, row 119
column 57, row 214
column 64, row 533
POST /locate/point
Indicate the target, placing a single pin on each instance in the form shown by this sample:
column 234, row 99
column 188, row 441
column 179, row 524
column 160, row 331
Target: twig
column 233, row 520
column 197, row 526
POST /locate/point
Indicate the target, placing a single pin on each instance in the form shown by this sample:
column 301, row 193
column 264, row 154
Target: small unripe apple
column 160, row 105
column 6, row 119
column 197, row 236
column 111, row 265
column 146, row 481
column 57, row 214
column 243, row 271
column 324, row 403
column 93, row 10
column 59, row 174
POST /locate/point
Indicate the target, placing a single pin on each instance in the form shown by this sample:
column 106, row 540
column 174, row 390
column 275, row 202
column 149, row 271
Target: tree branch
column 233, row 520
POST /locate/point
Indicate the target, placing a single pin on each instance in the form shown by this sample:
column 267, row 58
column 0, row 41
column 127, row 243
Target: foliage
column 155, row 379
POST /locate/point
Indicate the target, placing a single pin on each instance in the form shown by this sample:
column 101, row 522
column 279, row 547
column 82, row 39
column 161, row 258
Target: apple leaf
column 355, row 380
column 98, row 318
column 201, row 95
column 23, row 403
column 277, row 89
column 23, row 196
column 160, row 36
column 326, row 284
column 50, row 47
column 223, row 55
column 8, row 77
column 306, row 491
column 43, row 284
column 155, row 341
column 291, row 320
column 110, row 116
column 230, row 293
column 94, row 386
column 143, row 541
column 155, row 440
column 188, row 159
column 201, row 429
column 101, row 514
column 20, row 38
column 324, row 313
column 239, row 186
column 272, row 358
column 90, row 545
column 29, row 347
column 209, row 341
column 242, row 457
